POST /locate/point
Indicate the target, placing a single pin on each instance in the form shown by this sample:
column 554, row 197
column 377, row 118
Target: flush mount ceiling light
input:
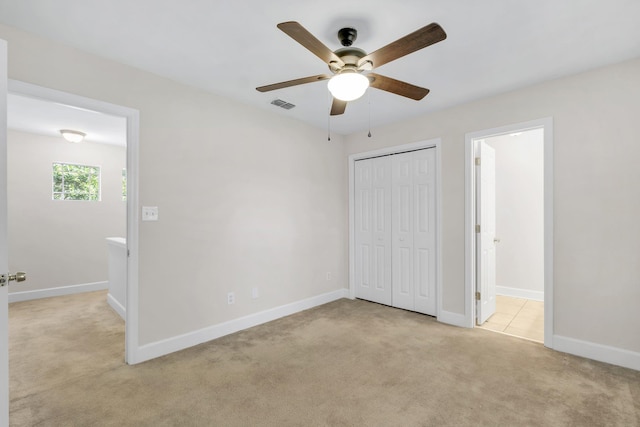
column 72, row 135
column 348, row 85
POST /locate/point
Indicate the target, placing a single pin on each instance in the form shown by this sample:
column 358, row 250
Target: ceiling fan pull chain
column 369, row 103
column 329, row 117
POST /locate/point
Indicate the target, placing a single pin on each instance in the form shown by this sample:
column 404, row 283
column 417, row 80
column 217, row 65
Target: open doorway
column 518, row 239
column 123, row 189
column 64, row 197
column 509, row 230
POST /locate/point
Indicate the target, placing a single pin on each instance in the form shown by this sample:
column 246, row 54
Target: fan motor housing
column 349, row 55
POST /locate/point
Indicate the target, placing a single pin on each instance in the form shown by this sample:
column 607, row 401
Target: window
column 124, row 185
column 76, row 182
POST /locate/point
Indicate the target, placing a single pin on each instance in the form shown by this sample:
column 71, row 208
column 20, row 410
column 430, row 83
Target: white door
column 373, row 235
column 363, row 233
column 403, row 226
column 381, row 228
column 485, row 240
column 4, row 257
column 424, row 233
column 414, row 231
column 395, row 230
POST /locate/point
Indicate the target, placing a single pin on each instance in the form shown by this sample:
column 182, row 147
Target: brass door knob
column 20, row 276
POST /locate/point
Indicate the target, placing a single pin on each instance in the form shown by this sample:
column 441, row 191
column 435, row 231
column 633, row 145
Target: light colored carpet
column 347, row 363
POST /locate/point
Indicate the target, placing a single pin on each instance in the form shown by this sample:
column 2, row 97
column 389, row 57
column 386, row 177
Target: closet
column 395, row 230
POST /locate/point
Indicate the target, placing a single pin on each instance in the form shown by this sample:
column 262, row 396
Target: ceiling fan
column 349, row 64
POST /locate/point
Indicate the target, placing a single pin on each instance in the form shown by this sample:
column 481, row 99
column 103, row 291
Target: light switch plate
column 149, row 213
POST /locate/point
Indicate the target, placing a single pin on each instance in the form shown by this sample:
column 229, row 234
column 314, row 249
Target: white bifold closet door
column 395, row 230
column 373, row 229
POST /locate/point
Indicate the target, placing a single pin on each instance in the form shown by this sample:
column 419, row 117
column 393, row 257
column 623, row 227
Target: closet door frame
column 432, row 143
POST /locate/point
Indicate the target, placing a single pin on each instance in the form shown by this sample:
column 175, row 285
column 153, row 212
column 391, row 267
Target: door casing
column 4, row 256
column 470, row 218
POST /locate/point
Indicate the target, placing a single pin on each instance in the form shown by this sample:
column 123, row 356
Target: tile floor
column 518, row 316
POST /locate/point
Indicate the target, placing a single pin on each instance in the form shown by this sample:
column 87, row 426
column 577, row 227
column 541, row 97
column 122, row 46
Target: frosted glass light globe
column 72, row 135
column 348, row 86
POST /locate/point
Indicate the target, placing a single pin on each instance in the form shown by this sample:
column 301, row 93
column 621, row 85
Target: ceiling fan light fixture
column 72, row 135
column 349, row 85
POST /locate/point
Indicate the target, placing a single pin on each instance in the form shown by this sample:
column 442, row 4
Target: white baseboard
column 520, row 293
column 57, row 292
column 603, row 353
column 181, row 342
column 117, row 307
column 454, row 319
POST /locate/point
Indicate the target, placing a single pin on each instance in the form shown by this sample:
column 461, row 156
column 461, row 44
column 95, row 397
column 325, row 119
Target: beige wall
column 520, row 212
column 246, row 198
column 60, row 243
column 596, row 193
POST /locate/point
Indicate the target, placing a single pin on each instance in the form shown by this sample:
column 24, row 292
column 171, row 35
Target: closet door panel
column 373, row 229
column 402, row 231
column 381, row 230
column 363, row 229
column 424, row 236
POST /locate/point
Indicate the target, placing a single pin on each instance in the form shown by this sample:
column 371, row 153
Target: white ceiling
column 231, row 47
column 48, row 118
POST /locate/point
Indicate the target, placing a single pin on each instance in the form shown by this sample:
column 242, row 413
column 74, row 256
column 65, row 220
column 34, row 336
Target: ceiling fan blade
column 425, row 36
column 398, row 87
column 338, row 107
column 295, row 82
column 305, row 38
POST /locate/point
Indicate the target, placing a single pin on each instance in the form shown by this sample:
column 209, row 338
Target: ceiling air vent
column 282, row 104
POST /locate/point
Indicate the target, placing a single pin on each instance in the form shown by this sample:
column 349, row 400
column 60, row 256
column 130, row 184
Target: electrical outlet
column 149, row 213
column 329, row 276
column 254, row 293
column 231, row 298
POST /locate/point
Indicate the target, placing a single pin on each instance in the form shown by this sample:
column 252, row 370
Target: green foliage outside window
column 124, row 185
column 76, row 182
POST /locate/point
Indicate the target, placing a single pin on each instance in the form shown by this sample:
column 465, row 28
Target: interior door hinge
column 477, row 296
column 477, row 161
column 477, row 228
